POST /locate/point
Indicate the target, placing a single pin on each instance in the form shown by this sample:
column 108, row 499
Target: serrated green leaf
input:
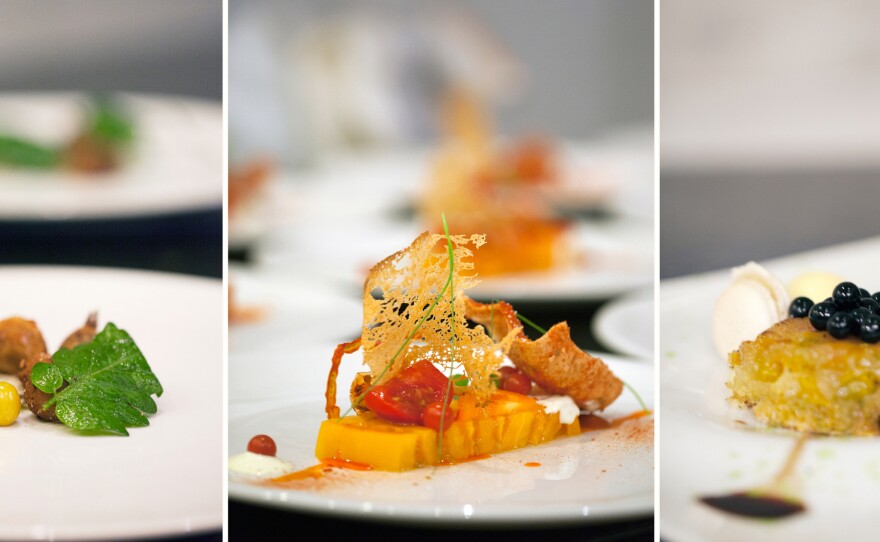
column 46, row 377
column 110, row 384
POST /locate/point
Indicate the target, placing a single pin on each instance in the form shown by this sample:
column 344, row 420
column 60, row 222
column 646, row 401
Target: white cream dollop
column 259, row 465
column 753, row 301
column 563, row 404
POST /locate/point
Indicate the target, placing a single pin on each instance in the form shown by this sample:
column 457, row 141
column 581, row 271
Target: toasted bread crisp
column 796, row 377
column 553, row 361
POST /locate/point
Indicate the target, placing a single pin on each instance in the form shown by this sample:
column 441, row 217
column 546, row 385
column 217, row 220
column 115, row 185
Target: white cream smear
column 754, row 301
column 563, row 404
column 259, row 465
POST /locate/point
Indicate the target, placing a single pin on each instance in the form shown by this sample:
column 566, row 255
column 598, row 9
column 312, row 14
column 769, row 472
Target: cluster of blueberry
column 849, row 311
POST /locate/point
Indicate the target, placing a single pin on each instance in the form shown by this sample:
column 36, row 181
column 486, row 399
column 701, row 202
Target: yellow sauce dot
column 10, row 404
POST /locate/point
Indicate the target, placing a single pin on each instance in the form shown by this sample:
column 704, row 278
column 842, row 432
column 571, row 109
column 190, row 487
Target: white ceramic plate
column 596, row 476
column 162, row 480
column 704, row 451
column 176, row 163
column 618, row 258
column 295, row 314
column 626, row 325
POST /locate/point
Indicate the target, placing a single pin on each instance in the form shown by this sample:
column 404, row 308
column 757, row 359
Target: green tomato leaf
column 110, row 385
column 46, row 377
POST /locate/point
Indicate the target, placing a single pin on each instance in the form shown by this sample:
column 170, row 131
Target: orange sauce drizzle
column 592, row 422
column 330, row 394
column 532, row 464
column 319, row 470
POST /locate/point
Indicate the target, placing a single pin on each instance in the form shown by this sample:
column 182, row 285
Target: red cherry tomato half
column 506, row 371
column 263, row 445
column 517, row 383
column 432, row 414
column 403, row 398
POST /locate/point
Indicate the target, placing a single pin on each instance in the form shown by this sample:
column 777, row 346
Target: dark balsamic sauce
column 764, row 503
column 754, row 506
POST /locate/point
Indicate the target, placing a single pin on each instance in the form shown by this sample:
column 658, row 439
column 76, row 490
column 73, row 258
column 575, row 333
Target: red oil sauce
column 592, row 422
column 532, row 464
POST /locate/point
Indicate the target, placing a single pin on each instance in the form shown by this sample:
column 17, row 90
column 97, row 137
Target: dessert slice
column 797, row 377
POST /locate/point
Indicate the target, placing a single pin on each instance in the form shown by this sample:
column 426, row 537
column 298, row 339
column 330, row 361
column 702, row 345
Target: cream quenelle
column 754, row 300
column 259, row 465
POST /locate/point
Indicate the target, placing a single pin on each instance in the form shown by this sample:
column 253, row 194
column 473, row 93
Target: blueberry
column 859, row 314
column 870, row 332
column 864, row 293
column 800, row 307
column 870, row 304
column 876, row 297
column 846, row 296
column 820, row 313
column 840, row 325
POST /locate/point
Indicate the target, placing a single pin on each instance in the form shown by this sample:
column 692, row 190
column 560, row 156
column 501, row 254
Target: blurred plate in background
column 617, row 258
column 626, row 324
column 176, row 163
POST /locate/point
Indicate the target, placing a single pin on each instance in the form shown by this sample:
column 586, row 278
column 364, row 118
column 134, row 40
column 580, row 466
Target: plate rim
column 641, row 505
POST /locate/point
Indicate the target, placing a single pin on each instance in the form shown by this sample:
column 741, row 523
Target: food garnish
column 417, row 321
column 10, row 404
column 101, row 386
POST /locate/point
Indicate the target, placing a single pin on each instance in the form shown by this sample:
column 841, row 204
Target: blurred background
column 354, row 125
column 769, row 133
column 72, row 194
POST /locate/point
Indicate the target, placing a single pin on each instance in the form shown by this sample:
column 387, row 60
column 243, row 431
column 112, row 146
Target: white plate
column 619, row 257
column 176, row 164
column 626, row 325
column 704, row 452
column 596, row 476
column 162, row 480
column 294, row 313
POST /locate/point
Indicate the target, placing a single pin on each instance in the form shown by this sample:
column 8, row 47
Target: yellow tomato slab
column 368, row 440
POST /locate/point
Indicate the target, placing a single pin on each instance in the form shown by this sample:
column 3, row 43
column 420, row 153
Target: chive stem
column 452, row 336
